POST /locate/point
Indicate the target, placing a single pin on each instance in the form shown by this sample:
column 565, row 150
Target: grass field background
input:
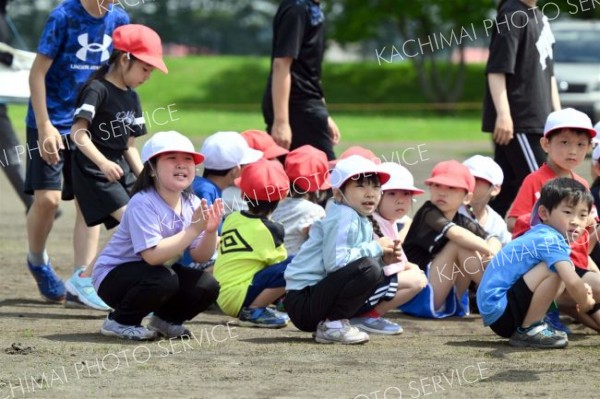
column 370, row 103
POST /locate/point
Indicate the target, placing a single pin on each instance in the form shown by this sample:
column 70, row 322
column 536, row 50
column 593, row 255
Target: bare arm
column 80, row 135
column 575, row 286
column 510, row 223
column 466, row 239
column 132, row 156
column 503, row 130
column 49, row 137
column 281, row 86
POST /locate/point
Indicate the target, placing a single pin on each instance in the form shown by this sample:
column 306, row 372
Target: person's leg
column 13, row 162
column 566, row 303
column 517, row 159
column 338, row 296
column 309, row 124
column 453, row 266
column 410, row 283
column 545, row 286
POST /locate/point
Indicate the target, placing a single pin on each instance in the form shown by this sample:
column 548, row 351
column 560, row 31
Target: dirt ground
column 49, row 351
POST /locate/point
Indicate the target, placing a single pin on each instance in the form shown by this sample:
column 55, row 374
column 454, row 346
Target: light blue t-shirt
column 147, row 220
column 541, row 243
column 78, row 44
column 342, row 237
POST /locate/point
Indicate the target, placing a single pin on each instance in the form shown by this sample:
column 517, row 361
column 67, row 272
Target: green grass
column 370, row 103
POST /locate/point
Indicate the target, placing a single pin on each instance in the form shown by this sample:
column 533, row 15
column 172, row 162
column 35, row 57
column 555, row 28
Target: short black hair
column 259, row 207
column 562, row 189
column 579, row 132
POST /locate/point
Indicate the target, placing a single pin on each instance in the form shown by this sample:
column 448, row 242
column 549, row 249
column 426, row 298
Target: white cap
column 226, row 150
column 355, row 165
column 400, row 178
column 170, row 141
column 485, row 168
column 568, row 118
column 596, row 146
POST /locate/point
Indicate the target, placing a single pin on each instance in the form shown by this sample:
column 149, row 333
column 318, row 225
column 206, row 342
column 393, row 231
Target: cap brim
column 591, row 132
column 156, row 62
column 449, row 181
column 250, row 156
column 274, row 152
column 198, row 158
column 415, row 191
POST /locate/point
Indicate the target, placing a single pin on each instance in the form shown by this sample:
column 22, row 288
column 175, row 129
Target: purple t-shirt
column 147, row 220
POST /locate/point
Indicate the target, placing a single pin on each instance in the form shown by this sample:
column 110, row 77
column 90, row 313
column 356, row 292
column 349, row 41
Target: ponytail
column 376, row 227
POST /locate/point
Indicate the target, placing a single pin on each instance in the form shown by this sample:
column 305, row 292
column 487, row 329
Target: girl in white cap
column 138, row 270
column 403, row 280
column 339, row 266
column 108, row 118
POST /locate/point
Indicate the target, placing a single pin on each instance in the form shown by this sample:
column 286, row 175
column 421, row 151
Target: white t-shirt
column 494, row 225
column 296, row 214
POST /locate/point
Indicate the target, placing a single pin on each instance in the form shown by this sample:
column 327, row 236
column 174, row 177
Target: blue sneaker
column 50, row 285
column 80, row 291
column 553, row 320
column 261, row 317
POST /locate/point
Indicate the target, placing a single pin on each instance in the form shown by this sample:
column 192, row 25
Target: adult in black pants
column 13, row 158
column 293, row 104
column 521, row 91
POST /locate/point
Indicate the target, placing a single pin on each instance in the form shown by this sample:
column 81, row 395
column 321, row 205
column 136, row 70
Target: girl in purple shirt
column 138, row 271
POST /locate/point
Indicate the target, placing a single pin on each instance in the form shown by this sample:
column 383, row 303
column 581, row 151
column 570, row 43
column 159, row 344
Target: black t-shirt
column 427, row 233
column 522, row 49
column 114, row 116
column 298, row 32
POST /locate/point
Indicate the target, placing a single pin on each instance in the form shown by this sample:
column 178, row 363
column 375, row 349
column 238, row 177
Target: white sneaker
column 344, row 335
column 113, row 328
column 166, row 329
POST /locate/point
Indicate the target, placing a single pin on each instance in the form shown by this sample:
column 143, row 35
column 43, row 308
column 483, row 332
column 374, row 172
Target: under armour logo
column 93, row 47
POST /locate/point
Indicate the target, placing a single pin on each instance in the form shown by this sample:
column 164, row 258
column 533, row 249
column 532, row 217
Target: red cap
column 264, row 180
column 307, row 168
column 452, row 174
column 357, row 150
column 142, row 42
column 263, row 141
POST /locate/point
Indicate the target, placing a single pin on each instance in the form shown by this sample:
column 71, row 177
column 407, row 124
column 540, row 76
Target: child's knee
column 48, row 200
column 211, row 289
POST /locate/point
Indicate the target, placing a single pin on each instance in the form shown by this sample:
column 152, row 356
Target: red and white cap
column 170, row 141
column 142, row 42
column 355, row 165
column 307, row 168
column 569, row 118
column 400, row 178
column 263, row 141
column 264, row 180
column 452, row 174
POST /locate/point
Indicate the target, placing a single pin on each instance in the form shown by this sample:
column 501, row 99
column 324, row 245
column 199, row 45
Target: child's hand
column 111, row 170
column 50, row 142
column 214, row 216
column 590, row 302
column 391, row 250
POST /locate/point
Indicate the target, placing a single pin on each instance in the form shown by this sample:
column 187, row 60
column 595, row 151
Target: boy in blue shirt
column 531, row 271
column 75, row 42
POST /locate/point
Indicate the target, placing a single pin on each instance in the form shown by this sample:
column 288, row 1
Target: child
column 403, row 280
column 448, row 246
column 260, row 141
column 76, row 41
column 513, row 298
column 138, row 270
column 338, row 267
column 252, row 257
column 567, row 137
column 306, row 168
column 488, row 182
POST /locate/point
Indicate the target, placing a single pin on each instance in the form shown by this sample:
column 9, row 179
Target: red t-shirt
column 530, row 192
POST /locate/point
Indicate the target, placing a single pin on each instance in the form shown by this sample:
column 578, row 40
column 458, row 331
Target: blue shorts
column 269, row 277
column 43, row 176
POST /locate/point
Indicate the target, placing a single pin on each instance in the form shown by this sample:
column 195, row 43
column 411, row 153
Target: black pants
column 338, row 296
column 521, row 156
column 12, row 157
column 308, row 121
column 174, row 294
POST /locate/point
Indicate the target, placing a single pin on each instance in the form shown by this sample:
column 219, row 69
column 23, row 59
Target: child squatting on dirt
column 531, row 271
column 138, row 270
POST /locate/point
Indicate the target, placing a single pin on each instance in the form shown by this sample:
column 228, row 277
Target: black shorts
column 519, row 298
column 43, row 176
column 96, row 196
column 308, row 121
column 581, row 272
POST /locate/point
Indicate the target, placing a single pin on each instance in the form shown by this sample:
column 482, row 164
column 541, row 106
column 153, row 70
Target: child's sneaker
column 113, row 328
column 553, row 320
column 50, row 285
column 261, row 317
column 344, row 335
column 539, row 335
column 81, row 292
column 376, row 325
column 166, row 329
